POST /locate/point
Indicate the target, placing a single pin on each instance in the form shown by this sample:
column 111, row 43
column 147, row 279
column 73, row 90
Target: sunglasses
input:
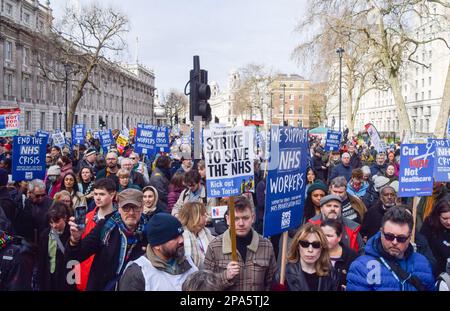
column 129, row 207
column 391, row 237
column 306, row 244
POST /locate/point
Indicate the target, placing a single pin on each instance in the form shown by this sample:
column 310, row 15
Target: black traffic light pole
column 199, row 93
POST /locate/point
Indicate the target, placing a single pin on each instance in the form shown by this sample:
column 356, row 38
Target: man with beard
column 389, row 262
column 331, row 208
column 111, row 169
column 114, row 241
column 372, row 220
column 164, row 266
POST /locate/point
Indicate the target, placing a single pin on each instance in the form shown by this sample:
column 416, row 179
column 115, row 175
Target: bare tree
column 444, row 112
column 249, row 96
column 82, row 41
column 389, row 30
column 175, row 105
column 360, row 73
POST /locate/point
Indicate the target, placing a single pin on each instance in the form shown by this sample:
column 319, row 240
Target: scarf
column 5, row 239
column 87, row 188
column 128, row 239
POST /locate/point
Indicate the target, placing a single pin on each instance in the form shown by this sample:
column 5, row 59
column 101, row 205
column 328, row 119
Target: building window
column 429, row 94
column 92, row 122
column 26, row 56
column 26, row 18
column 300, row 110
column 300, row 97
column 423, row 95
column 9, row 9
column 53, row 93
column 291, row 109
column 27, row 120
column 8, row 51
column 42, row 121
column 430, row 53
column 423, row 82
column 8, row 84
column 26, row 88
column 291, row 96
column 55, row 121
column 427, row 125
column 40, row 90
column 417, row 96
column 300, row 123
column 429, row 81
column 417, row 83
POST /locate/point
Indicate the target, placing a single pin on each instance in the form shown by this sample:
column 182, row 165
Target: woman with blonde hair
column 196, row 236
column 64, row 197
column 309, row 267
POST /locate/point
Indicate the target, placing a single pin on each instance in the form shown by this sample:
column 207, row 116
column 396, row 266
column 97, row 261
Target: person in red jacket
column 331, row 208
column 104, row 193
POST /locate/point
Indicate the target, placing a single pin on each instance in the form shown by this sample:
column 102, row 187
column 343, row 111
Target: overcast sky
column 226, row 34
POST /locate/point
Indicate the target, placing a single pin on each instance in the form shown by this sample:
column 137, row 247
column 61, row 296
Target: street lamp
column 60, row 120
column 66, row 70
column 284, row 101
column 340, row 51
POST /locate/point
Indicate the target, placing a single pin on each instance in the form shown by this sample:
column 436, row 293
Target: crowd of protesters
column 149, row 226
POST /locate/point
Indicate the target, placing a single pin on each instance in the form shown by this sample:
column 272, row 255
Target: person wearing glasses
column 111, row 168
column 195, row 192
column 390, row 262
column 31, row 221
column 309, row 267
column 114, row 241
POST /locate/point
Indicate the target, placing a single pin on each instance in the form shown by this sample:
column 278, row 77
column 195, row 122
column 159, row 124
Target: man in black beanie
column 164, row 266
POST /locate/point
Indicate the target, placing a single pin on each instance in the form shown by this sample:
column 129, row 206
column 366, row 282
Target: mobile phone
column 80, row 216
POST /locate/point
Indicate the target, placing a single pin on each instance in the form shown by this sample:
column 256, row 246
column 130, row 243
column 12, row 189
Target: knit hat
column 379, row 182
column 162, row 228
column 330, row 197
column 54, row 170
column 3, row 177
column 317, row 185
column 130, row 196
column 89, row 152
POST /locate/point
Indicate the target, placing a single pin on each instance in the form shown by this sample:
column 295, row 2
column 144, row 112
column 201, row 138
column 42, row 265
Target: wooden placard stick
column 232, row 230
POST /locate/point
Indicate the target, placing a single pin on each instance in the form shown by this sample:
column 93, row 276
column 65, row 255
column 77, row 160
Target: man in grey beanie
column 164, row 266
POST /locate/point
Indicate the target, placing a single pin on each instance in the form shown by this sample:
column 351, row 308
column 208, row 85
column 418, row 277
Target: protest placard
column 416, row 170
column 333, row 140
column 218, row 212
column 9, row 122
column 151, row 139
column 78, row 134
column 106, row 139
column 441, row 170
column 58, row 139
column 43, row 134
column 122, row 142
column 28, row 160
column 286, row 179
column 229, row 161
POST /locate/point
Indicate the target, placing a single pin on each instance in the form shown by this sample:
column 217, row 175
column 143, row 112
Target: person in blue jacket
column 385, row 253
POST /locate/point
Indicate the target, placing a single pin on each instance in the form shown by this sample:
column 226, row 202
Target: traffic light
column 101, row 122
column 199, row 93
